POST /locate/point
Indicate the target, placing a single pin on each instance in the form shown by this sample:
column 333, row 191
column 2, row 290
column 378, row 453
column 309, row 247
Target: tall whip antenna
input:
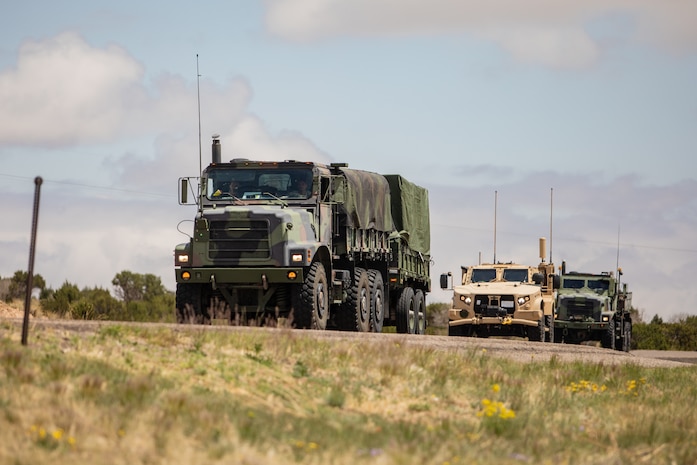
column 617, row 267
column 496, row 201
column 198, row 98
column 551, row 209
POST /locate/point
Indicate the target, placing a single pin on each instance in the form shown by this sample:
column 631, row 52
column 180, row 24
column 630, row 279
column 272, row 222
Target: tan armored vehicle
column 504, row 299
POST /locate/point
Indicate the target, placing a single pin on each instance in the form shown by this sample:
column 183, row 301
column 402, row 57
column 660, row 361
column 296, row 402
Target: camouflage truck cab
column 319, row 245
column 504, row 299
column 592, row 307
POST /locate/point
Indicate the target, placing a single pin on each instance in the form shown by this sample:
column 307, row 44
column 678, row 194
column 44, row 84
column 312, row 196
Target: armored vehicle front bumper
column 520, row 318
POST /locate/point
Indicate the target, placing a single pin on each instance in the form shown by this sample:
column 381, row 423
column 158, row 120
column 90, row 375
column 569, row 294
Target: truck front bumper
column 581, row 325
column 240, row 276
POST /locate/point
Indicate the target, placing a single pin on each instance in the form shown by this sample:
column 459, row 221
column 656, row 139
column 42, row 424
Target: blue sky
column 595, row 100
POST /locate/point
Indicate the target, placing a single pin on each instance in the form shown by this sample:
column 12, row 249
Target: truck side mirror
column 556, row 281
column 183, row 191
column 444, row 280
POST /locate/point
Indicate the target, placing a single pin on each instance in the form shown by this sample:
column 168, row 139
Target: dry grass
column 185, row 395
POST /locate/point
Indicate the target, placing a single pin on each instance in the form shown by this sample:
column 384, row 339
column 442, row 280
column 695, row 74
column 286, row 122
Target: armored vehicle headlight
column 182, row 258
column 296, row 258
column 521, row 300
column 466, row 299
column 606, row 318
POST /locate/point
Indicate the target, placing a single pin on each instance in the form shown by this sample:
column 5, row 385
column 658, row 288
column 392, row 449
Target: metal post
column 30, row 271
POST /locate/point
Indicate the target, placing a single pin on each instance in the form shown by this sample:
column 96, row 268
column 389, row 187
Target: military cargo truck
column 322, row 246
column 504, row 299
column 593, row 307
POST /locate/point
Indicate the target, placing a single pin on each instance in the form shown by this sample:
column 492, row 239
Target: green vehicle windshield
column 258, row 183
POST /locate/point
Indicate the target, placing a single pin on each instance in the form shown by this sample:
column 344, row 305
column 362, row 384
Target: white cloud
column 64, row 91
column 545, row 32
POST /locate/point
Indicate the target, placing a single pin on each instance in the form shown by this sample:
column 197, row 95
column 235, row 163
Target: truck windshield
column 515, row 275
column 483, row 275
column 258, row 183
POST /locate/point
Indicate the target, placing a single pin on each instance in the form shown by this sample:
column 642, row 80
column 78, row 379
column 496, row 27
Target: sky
column 575, row 121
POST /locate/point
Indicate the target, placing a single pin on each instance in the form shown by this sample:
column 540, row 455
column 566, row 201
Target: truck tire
column 626, row 337
column 608, row 338
column 537, row 333
column 191, row 304
column 549, row 322
column 355, row 311
column 311, row 301
column 419, row 312
column 377, row 301
column 405, row 311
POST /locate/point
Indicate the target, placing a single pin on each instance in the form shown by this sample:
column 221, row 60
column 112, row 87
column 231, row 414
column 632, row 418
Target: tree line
column 143, row 297
column 136, row 297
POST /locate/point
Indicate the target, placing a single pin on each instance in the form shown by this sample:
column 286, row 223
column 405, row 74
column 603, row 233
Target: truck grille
column 239, row 239
column 580, row 308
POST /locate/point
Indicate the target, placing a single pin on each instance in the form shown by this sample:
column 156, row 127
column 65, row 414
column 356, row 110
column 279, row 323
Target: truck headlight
column 521, row 300
column 181, row 259
column 296, row 258
column 466, row 299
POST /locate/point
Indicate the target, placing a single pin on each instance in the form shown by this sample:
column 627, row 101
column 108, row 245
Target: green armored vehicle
column 504, row 299
column 322, row 246
column 593, row 307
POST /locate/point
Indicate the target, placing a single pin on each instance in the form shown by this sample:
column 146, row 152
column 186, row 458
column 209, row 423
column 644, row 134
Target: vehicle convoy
column 593, row 307
column 322, row 246
column 504, row 299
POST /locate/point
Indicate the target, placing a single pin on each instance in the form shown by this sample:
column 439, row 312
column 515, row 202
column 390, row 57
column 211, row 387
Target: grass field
column 130, row 395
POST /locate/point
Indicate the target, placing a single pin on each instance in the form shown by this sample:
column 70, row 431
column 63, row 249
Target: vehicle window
column 599, row 285
column 573, row 283
column 483, row 275
column 515, row 275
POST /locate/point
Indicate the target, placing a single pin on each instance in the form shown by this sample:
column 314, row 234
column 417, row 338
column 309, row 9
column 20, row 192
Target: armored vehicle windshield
column 483, row 275
column 515, row 275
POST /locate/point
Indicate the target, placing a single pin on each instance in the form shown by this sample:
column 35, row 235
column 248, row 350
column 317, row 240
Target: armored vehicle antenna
column 496, row 200
column 198, row 100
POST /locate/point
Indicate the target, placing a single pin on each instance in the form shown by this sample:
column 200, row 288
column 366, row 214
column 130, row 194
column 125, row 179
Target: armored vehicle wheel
column 549, row 323
column 537, row 333
column 191, row 304
column 311, row 300
column 608, row 339
column 419, row 312
column 461, row 330
column 405, row 311
column 355, row 312
column 377, row 301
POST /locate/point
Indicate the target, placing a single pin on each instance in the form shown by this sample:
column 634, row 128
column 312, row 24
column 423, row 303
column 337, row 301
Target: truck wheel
column 355, row 312
column 405, row 311
column 377, row 301
column 537, row 333
column 311, row 304
column 608, row 339
column 191, row 304
column 419, row 312
column 549, row 323
column 627, row 337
